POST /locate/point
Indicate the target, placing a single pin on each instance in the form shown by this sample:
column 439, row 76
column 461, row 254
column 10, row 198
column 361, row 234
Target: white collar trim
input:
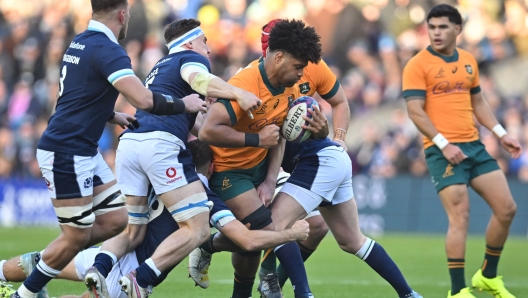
column 100, row 27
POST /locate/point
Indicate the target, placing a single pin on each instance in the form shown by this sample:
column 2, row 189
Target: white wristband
column 440, row 141
column 499, row 131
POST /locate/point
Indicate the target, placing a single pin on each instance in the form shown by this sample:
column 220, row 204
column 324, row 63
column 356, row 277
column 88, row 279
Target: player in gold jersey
column 248, row 152
column 441, row 87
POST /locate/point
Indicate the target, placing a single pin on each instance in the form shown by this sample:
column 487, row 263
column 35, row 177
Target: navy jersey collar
column 100, row 27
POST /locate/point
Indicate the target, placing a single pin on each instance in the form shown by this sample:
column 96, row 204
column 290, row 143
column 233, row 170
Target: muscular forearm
column 275, row 154
column 218, row 88
column 221, row 135
column 484, row 114
column 261, row 239
column 423, row 123
column 341, row 115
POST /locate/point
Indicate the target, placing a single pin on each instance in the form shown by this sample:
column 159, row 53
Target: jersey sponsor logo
column 304, row 88
column 47, row 182
column 263, row 122
column 262, row 109
column 71, row 59
column 226, row 184
column 454, row 70
column 170, row 172
column 88, row 182
column 445, row 87
column 440, row 74
column 77, row 46
column 468, row 68
column 163, row 61
column 448, row 171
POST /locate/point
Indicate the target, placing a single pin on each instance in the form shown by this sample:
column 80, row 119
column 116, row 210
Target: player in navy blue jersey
column 156, row 154
column 87, row 201
column 160, row 226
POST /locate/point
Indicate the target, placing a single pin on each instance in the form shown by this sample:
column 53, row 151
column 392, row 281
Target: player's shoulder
column 417, row 61
column 248, row 73
column 465, row 55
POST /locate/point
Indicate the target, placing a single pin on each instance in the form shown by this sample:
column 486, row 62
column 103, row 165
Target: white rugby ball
column 291, row 129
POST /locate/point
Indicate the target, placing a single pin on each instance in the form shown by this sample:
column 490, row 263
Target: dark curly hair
column 296, row 39
column 445, row 10
column 202, row 154
column 179, row 28
column 101, row 6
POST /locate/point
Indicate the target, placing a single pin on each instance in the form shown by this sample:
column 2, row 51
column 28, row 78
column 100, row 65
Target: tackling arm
column 252, row 240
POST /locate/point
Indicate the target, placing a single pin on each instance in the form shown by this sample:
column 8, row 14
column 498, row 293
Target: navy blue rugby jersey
column 93, row 62
column 165, row 78
column 161, row 225
column 296, row 151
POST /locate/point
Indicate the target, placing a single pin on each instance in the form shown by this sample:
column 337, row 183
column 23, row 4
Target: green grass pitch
column 331, row 272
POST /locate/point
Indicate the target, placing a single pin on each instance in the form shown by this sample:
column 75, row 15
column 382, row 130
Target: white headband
column 187, row 37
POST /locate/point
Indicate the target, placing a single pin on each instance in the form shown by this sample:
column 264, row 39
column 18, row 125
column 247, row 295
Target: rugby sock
column 147, row 274
column 2, row 277
column 290, row 258
column 305, row 254
column 243, row 287
column 491, row 261
column 208, row 245
column 38, row 278
column 377, row 258
column 456, row 271
column 104, row 261
column 269, row 262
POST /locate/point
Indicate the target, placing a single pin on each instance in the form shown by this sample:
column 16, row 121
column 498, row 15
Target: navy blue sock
column 40, row 277
column 290, row 258
column 377, row 258
column 104, row 263
column 145, row 276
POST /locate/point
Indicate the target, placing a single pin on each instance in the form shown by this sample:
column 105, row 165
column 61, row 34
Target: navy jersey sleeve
column 113, row 63
column 197, row 60
column 220, row 215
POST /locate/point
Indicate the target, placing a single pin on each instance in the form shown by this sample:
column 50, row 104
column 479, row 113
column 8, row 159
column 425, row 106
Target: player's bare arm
column 143, row 99
column 485, row 116
column 217, row 131
column 252, row 240
column 415, row 108
column 266, row 189
column 340, row 116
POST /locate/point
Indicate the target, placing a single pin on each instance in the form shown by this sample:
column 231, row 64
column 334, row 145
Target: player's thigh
column 187, row 202
column 131, row 177
column 343, row 221
column 455, row 200
column 494, row 189
column 444, row 174
column 286, row 209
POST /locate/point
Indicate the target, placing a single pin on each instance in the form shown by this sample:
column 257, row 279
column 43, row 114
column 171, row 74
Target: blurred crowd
column 366, row 43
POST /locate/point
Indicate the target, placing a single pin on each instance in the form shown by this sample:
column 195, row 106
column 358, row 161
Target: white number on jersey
column 61, row 82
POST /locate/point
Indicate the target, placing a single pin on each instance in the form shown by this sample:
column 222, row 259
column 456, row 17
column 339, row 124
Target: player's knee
column 507, row 212
column 259, row 219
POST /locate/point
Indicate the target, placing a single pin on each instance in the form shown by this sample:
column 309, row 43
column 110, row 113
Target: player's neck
column 272, row 76
column 447, row 51
column 114, row 26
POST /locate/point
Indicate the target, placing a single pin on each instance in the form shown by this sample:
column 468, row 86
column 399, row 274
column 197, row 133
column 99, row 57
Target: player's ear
column 458, row 29
column 121, row 16
column 279, row 56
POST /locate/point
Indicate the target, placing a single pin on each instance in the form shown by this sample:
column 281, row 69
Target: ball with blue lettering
column 292, row 129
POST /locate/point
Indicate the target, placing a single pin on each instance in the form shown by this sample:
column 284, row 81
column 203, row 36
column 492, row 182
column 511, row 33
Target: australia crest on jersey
column 304, row 88
column 469, row 69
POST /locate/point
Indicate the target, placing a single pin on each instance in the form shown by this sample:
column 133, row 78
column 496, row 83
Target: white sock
column 152, row 266
column 47, row 270
column 2, row 277
column 25, row 293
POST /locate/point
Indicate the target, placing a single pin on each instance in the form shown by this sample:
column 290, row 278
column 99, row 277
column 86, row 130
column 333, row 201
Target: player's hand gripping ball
column 292, row 129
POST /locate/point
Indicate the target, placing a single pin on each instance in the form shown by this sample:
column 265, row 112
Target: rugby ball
column 292, row 129
column 281, row 180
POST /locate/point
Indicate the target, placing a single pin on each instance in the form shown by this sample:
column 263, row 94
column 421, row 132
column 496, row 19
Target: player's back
column 275, row 102
column 165, row 78
column 93, row 62
column 446, row 83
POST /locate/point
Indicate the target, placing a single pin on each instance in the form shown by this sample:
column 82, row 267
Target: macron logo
column 77, row 46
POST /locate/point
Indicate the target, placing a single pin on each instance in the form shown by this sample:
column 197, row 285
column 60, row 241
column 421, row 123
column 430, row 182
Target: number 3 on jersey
column 61, row 82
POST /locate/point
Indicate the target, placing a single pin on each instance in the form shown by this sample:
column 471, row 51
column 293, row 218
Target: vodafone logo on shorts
column 171, row 173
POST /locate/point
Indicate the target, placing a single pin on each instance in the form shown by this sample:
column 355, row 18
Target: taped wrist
column 166, row 105
column 251, row 140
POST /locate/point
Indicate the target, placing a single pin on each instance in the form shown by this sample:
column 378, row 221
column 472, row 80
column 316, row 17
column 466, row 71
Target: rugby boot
column 96, row 284
column 269, row 285
column 28, row 263
column 495, row 286
column 199, row 261
column 464, row 293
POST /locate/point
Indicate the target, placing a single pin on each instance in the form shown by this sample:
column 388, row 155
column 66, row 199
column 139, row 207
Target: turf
column 331, row 272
